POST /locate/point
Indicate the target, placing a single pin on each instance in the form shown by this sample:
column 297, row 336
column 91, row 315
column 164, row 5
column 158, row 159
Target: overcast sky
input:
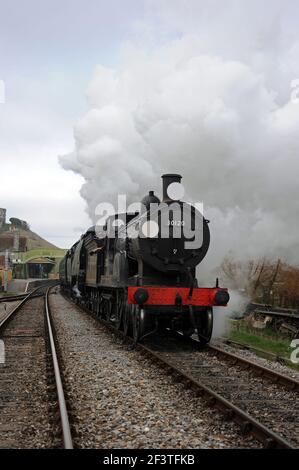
column 48, row 51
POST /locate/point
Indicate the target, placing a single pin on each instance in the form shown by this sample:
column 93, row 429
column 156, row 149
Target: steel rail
column 66, row 433
column 258, row 351
column 275, row 376
column 248, row 424
column 269, row 313
column 64, row 419
column 9, row 298
column 15, row 298
column 18, row 307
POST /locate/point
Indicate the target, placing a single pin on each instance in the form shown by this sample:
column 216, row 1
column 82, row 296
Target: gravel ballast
column 120, row 399
column 25, row 418
column 6, row 308
column 251, row 356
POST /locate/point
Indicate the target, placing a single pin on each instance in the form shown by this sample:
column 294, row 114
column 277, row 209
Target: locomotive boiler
column 138, row 269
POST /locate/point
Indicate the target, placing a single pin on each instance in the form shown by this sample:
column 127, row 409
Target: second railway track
column 261, row 400
column 33, row 407
column 33, row 411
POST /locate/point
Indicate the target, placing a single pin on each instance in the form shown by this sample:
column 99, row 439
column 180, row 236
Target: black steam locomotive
column 137, row 270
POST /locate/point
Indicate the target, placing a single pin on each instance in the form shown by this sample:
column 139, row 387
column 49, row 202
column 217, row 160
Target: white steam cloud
column 215, row 104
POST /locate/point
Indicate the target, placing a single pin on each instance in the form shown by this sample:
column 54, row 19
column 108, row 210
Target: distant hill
column 16, row 235
column 25, row 240
column 35, row 241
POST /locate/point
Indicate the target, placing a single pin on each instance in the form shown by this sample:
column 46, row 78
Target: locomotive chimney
column 168, row 179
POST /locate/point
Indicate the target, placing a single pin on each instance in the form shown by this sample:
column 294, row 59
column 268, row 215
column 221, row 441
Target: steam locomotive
column 137, row 270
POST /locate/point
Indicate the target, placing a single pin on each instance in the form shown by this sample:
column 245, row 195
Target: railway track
column 119, row 399
column 13, row 298
column 31, row 392
column 290, row 383
column 262, row 401
column 33, row 291
column 257, row 351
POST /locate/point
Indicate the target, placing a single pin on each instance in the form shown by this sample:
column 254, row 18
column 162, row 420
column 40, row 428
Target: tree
column 264, row 281
column 18, row 223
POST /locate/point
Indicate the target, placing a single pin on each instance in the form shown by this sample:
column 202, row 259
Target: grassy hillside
column 34, row 241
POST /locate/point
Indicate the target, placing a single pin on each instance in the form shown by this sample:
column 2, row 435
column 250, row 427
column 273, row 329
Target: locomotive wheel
column 142, row 322
column 127, row 323
column 93, row 302
column 120, row 307
column 97, row 304
column 188, row 331
column 205, row 329
column 137, row 321
column 105, row 309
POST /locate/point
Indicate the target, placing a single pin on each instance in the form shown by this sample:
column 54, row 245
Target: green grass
column 268, row 341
